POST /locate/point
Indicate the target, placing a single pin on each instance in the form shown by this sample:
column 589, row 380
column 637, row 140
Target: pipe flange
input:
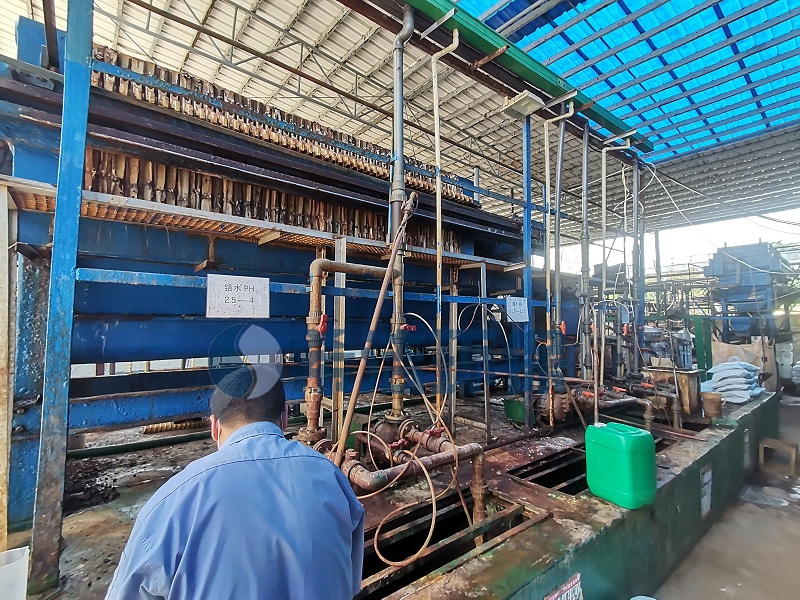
column 311, row 436
column 406, row 426
column 395, row 419
column 323, row 446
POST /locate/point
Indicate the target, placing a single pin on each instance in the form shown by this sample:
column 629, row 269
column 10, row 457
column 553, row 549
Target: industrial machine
column 194, row 225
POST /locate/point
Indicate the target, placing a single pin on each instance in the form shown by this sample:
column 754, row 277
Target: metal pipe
column 478, row 488
column 637, row 263
column 527, row 278
column 557, row 236
column 362, row 365
column 547, row 234
column 586, row 371
column 439, row 247
column 604, row 265
column 396, row 199
column 398, row 189
column 372, row 481
column 315, row 333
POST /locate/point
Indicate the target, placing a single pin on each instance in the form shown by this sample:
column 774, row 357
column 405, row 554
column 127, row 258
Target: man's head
column 248, row 395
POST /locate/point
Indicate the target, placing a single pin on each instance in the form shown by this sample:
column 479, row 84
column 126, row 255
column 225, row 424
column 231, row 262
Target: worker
column 263, row 517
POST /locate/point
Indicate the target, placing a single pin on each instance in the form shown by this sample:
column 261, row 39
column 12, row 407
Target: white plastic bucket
column 14, row 573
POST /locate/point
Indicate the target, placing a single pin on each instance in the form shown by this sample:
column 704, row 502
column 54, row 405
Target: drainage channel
column 453, row 539
column 564, row 471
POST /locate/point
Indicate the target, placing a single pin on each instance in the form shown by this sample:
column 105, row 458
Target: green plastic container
column 621, row 464
column 515, row 409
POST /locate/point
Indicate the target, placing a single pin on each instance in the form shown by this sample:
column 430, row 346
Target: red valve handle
column 323, row 324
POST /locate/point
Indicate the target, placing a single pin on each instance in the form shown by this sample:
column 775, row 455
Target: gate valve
column 435, row 431
column 407, row 327
column 323, row 324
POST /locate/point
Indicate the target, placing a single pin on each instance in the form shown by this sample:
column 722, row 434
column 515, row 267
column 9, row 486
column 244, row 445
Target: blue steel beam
column 47, row 518
column 187, row 281
column 527, row 274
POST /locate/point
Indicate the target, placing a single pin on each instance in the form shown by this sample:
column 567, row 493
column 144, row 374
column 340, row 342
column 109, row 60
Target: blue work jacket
column 261, row 518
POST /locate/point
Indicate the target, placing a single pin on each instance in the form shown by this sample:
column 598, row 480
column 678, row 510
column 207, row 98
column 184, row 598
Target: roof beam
column 695, row 55
column 727, row 108
column 650, row 7
column 745, row 127
column 526, row 16
column 714, row 83
column 581, row 16
column 615, row 50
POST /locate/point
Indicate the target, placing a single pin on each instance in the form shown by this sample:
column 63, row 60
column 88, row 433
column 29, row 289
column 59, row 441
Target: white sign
column 571, row 590
column 517, row 309
column 234, row 297
column 706, row 482
column 746, row 449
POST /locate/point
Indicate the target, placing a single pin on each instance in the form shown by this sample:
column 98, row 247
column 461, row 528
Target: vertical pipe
column 50, row 34
column 398, row 190
column 439, row 248
column 640, row 289
column 637, row 265
column 485, row 337
column 396, row 199
column 476, row 181
column 548, row 297
column 562, row 132
column 453, row 350
column 46, row 539
column 586, row 370
column 659, row 294
column 527, row 253
column 337, row 387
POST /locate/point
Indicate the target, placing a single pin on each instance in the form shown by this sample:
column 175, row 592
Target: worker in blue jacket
column 263, row 517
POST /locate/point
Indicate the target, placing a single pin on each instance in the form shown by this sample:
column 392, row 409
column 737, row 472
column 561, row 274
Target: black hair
column 250, row 394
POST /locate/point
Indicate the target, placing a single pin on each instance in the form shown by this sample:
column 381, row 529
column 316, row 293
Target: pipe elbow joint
column 408, row 28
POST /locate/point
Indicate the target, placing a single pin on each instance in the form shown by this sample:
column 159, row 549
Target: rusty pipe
column 362, row 364
column 478, row 488
column 312, row 432
column 648, row 412
column 429, row 441
column 373, row 481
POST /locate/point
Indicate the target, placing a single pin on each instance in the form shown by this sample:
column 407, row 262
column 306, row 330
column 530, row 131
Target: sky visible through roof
column 688, row 74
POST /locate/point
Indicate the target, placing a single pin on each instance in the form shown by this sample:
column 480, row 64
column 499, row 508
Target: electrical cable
column 703, row 235
column 418, row 553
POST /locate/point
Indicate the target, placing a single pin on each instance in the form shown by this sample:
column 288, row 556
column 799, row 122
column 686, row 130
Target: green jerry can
column 621, row 464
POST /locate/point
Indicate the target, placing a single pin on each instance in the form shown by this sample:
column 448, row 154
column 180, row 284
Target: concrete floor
column 752, row 552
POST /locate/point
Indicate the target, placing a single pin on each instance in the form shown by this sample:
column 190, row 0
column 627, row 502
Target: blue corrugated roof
column 687, row 74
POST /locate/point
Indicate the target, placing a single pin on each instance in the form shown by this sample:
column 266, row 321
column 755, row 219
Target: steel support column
column 587, row 369
column 337, row 386
column 47, row 517
column 527, row 275
column 7, row 305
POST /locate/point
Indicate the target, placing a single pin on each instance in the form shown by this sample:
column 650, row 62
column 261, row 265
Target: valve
column 435, row 431
column 407, row 327
column 323, row 324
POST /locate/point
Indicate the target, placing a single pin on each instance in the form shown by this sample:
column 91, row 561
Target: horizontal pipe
column 372, row 481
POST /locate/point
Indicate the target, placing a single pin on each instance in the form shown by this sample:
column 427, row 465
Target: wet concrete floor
column 752, row 552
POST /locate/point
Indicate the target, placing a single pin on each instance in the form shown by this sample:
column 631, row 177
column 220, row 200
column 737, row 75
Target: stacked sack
column 736, row 380
column 796, row 373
